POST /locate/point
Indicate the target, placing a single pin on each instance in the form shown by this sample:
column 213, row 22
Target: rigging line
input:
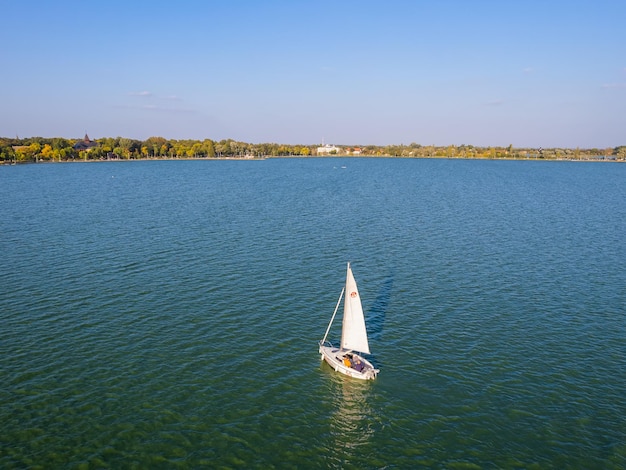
column 334, row 313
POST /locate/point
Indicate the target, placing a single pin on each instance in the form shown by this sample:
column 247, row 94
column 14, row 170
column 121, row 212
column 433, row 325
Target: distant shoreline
column 36, row 149
column 317, row 157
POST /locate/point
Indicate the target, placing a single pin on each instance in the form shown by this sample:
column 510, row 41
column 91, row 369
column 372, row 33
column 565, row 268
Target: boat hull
column 334, row 357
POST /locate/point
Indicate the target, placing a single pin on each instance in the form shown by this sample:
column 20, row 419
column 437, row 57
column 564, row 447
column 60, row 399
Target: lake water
column 166, row 314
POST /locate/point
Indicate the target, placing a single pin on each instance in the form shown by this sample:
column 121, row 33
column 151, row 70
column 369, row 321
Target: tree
column 35, row 148
column 209, row 149
column 223, row 148
column 125, row 143
column 6, row 152
column 59, row 143
column 24, row 153
column 155, row 144
column 196, row 149
column 121, row 152
column 181, row 149
column 47, row 152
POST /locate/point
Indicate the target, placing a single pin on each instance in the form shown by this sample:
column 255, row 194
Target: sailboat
column 347, row 358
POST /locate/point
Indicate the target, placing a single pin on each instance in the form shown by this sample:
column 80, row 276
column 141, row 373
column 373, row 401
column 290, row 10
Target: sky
column 537, row 73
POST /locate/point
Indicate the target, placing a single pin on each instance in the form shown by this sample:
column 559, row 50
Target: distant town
column 58, row 149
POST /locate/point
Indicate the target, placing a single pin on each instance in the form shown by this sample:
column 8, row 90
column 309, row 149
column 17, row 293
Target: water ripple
column 170, row 319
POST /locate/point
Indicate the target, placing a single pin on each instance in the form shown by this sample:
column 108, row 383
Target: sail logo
column 353, row 295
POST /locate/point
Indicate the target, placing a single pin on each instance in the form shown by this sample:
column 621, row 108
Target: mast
column 333, row 317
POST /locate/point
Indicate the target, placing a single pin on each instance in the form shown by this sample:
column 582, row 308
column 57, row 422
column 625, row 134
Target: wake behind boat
column 346, row 358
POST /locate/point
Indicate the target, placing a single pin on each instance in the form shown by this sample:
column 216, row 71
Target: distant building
column 328, row 149
column 85, row 144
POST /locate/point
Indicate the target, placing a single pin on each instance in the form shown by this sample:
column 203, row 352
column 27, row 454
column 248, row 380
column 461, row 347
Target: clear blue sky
column 547, row 73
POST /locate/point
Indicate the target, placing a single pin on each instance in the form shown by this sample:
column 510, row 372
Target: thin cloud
column 156, row 104
column 155, row 108
column 614, row 85
column 149, row 94
column 167, row 109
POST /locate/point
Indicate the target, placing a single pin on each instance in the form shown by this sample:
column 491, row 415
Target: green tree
column 121, row 152
column 209, row 149
column 223, row 148
column 154, row 145
column 7, row 153
column 59, row 143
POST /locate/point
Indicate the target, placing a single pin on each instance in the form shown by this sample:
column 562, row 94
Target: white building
column 328, row 149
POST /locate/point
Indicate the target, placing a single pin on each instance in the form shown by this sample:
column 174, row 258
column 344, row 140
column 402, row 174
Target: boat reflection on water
column 351, row 422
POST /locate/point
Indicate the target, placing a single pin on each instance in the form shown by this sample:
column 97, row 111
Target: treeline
column 34, row 149
column 60, row 149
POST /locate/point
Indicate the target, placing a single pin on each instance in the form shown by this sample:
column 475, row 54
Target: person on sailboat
column 358, row 365
column 346, row 361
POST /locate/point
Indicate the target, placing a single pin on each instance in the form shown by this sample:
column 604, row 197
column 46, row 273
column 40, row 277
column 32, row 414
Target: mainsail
column 353, row 332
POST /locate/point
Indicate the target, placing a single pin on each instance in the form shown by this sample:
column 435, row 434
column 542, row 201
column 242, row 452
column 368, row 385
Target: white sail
column 353, row 332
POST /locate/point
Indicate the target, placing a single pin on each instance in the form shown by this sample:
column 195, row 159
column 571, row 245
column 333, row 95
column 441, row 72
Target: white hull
column 334, row 357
